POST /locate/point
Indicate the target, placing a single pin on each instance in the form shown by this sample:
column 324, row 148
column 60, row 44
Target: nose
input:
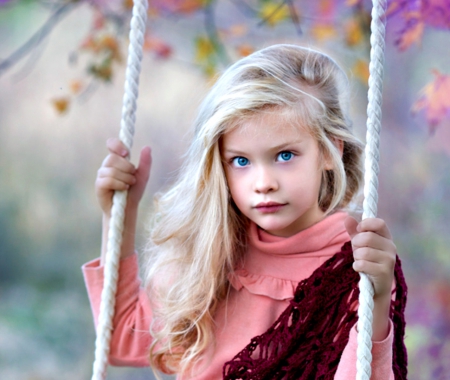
column 265, row 181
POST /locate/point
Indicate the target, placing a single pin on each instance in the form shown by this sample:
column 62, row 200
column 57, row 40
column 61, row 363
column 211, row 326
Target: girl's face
column 274, row 173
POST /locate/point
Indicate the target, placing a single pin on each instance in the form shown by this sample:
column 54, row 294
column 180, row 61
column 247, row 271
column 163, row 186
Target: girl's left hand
column 374, row 253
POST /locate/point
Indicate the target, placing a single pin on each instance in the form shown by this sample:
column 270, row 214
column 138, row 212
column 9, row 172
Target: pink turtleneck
column 261, row 289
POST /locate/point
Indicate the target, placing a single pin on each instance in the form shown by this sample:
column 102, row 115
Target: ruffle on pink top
column 272, row 267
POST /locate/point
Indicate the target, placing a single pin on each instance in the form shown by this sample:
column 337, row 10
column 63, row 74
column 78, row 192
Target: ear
column 339, row 144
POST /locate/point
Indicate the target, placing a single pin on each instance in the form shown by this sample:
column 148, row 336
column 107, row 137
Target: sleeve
column 130, row 339
column 381, row 358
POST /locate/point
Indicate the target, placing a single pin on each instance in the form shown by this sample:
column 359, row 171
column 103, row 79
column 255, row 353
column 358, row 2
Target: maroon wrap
column 307, row 340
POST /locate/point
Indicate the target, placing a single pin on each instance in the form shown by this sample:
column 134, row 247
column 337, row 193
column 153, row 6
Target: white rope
column 365, row 315
column 105, row 325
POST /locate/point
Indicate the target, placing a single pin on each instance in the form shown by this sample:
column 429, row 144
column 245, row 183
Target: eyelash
column 234, row 160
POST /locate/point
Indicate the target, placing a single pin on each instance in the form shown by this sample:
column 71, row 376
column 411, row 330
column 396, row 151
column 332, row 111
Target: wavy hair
column 198, row 236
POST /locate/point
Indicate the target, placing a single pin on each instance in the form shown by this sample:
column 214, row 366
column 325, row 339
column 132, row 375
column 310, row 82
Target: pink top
column 260, row 291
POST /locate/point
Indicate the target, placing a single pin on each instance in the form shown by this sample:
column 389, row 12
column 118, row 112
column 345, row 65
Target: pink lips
column 269, row 207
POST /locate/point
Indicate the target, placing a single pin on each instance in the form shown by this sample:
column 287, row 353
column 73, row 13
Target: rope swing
column 111, row 271
column 111, row 265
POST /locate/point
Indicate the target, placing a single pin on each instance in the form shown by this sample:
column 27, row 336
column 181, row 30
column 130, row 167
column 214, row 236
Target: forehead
column 272, row 127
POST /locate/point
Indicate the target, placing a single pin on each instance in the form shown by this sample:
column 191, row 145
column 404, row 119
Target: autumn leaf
column 352, row 3
column 75, row 86
column 354, row 34
column 245, row 50
column 101, row 71
column 323, row 32
column 158, row 46
column 361, row 71
column 436, row 13
column 205, row 55
column 413, row 31
column 273, row 13
column 434, row 100
column 238, row 30
column 61, row 104
column 204, row 49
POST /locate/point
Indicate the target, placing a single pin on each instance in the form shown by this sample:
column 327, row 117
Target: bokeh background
column 62, row 100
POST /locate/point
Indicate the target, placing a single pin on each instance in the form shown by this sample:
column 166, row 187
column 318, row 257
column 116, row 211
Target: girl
column 246, row 237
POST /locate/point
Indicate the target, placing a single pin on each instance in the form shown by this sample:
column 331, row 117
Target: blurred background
column 61, row 85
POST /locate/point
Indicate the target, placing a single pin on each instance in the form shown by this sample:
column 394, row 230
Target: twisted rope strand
column 106, row 315
column 365, row 311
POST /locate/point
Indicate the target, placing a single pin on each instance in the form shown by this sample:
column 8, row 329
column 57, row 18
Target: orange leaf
column 245, row 49
column 434, row 100
column 412, row 34
column 75, row 86
column 128, row 4
column 158, row 46
column 238, row 30
column 352, row 3
column 361, row 71
column 323, row 32
column 353, row 32
column 61, row 104
column 273, row 13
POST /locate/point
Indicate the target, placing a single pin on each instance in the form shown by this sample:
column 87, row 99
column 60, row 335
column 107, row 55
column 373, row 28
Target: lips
column 269, row 207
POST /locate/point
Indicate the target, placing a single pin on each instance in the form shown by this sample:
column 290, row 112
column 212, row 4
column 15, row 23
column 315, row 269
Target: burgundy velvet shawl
column 307, row 340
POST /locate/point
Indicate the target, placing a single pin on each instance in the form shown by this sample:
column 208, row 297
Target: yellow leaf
column 204, row 49
column 361, row 70
column 323, row 32
column 61, row 104
column 353, row 32
column 274, row 13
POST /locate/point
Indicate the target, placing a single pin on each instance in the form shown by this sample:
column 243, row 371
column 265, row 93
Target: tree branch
column 37, row 37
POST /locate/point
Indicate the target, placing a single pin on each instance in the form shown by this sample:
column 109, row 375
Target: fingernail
column 124, row 153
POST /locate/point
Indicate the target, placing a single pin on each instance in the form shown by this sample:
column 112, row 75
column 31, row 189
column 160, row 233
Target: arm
column 381, row 358
column 130, row 339
column 375, row 254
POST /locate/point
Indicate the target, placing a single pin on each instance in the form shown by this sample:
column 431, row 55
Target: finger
column 145, row 163
column 116, row 146
column 372, row 240
column 116, row 174
column 351, row 224
column 115, row 161
column 374, row 256
column 108, row 184
column 376, row 225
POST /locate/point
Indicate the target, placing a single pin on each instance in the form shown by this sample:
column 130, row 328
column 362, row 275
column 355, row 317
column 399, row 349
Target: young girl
column 249, row 231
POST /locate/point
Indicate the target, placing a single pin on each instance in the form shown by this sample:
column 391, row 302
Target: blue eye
column 240, row 161
column 285, row 156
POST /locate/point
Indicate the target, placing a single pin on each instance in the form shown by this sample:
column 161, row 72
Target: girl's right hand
column 117, row 173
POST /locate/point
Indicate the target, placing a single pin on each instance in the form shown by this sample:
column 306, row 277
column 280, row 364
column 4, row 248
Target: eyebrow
column 275, row 148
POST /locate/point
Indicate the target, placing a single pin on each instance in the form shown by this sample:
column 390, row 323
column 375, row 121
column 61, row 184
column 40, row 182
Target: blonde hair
column 198, row 236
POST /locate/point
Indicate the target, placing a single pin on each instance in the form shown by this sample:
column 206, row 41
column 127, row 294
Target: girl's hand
column 375, row 254
column 117, row 173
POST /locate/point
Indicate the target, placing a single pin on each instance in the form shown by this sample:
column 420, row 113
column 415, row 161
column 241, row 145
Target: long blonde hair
column 199, row 235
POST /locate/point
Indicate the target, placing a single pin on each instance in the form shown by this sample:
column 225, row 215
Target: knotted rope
column 138, row 21
column 108, row 300
column 365, row 315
